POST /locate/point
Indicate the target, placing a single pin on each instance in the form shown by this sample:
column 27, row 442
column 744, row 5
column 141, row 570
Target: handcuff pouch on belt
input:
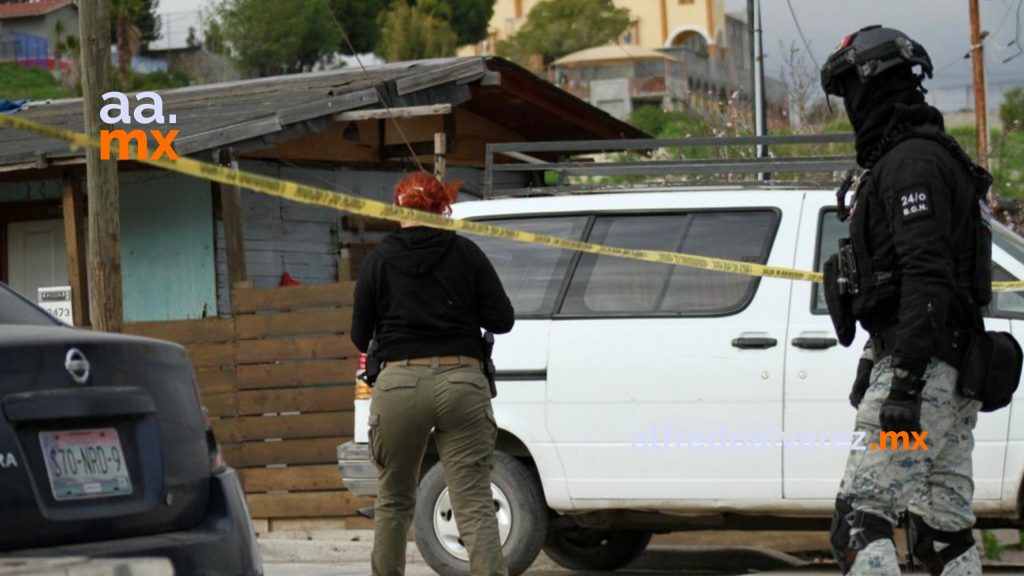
column 991, row 369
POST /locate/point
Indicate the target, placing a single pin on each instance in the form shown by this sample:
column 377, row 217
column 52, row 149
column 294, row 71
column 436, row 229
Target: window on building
column 632, row 33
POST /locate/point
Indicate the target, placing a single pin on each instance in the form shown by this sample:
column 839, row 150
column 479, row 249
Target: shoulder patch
column 915, row 202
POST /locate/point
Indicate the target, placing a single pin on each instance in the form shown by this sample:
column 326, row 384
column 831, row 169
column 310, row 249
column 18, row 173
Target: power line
column 1017, row 38
column 1002, row 21
column 807, row 45
column 380, row 96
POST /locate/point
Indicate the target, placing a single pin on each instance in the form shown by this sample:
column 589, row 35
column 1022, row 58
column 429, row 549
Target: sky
column 942, row 26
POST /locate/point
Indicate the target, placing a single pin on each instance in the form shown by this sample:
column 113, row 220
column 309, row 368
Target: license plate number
column 85, row 463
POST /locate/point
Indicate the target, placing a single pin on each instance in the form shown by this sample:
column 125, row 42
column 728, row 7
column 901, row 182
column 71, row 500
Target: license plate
column 85, row 463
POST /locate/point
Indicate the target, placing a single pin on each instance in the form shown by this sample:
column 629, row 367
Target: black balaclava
column 885, row 102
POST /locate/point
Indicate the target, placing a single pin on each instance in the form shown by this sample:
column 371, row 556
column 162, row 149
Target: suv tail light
column 363, row 390
column 216, row 457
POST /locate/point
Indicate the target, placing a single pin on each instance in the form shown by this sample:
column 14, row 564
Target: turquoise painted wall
column 167, row 249
column 167, row 253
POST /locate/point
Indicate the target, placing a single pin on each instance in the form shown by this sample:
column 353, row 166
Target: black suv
column 105, row 451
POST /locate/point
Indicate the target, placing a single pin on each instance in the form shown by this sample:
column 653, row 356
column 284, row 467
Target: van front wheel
column 518, row 503
column 583, row 549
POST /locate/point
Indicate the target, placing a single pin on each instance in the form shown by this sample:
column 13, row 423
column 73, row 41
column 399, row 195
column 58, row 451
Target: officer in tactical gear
column 915, row 273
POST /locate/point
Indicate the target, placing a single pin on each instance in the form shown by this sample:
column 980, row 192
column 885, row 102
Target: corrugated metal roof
column 255, row 113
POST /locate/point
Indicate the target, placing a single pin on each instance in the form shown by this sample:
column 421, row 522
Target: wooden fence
column 277, row 377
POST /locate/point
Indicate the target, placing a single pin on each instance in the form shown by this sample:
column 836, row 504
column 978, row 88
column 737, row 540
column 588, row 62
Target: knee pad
column 852, row 531
column 924, row 538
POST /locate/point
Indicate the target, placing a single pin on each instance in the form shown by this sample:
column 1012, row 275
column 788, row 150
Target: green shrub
column 17, row 83
column 1012, row 110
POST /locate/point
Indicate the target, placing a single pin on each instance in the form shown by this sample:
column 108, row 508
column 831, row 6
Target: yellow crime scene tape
column 374, row 209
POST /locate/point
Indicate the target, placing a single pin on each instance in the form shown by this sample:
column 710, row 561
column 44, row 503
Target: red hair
column 422, row 191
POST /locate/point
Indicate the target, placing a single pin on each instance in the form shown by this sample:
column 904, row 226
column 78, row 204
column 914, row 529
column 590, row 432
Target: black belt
column 951, row 349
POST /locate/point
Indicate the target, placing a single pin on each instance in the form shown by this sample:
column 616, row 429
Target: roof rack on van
column 738, row 156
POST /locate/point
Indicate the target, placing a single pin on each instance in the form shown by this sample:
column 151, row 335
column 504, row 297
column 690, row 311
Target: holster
column 839, row 302
column 487, row 343
column 991, row 369
column 373, row 364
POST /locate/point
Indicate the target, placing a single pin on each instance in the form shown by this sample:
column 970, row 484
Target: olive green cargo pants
column 454, row 401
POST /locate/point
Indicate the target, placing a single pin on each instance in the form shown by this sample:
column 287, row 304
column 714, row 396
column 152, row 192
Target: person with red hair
column 423, row 295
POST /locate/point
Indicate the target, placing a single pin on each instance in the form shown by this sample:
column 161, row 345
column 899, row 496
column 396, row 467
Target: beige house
column 654, row 24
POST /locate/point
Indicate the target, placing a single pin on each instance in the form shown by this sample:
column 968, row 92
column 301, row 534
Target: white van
column 637, row 398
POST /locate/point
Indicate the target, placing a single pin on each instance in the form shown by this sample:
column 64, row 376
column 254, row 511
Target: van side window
column 532, row 275
column 604, row 285
column 830, row 230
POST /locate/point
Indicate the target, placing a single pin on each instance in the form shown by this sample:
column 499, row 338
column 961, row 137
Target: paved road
column 347, row 553
column 663, row 562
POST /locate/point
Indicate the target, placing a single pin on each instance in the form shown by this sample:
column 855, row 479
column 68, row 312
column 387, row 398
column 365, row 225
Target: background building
column 655, row 24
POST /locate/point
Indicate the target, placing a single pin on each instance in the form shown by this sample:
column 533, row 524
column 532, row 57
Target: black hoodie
column 428, row 293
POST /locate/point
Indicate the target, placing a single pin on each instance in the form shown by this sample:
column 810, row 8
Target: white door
column 36, row 256
column 658, row 373
column 819, row 372
column 819, row 375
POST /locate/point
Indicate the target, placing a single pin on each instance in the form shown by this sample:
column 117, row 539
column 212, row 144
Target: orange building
column 653, row 24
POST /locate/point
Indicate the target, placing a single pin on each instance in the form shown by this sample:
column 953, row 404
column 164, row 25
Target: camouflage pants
column 935, row 483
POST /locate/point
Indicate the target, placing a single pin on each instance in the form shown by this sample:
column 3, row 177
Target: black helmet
column 871, row 51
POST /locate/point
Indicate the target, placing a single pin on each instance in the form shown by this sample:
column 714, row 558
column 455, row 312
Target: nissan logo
column 77, row 366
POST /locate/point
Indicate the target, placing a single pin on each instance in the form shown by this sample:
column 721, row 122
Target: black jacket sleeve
column 918, row 199
column 364, row 312
column 496, row 312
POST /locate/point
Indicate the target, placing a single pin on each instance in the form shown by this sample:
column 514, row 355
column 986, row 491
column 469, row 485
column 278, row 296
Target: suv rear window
column 15, row 310
column 531, row 274
column 610, row 286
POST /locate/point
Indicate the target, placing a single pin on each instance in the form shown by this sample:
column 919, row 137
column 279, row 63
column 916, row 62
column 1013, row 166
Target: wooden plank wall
column 278, row 379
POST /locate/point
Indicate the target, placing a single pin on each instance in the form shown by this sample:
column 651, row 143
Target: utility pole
column 106, row 305
column 978, row 62
column 757, row 77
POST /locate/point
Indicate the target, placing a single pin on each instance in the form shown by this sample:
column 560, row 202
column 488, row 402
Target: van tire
column 527, row 511
column 581, row 549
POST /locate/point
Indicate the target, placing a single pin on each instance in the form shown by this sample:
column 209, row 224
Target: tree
column 468, row 18
column 65, row 44
column 273, row 37
column 134, row 24
column 801, row 81
column 1012, row 110
column 412, row 33
column 555, row 28
column 213, row 34
column 360, row 20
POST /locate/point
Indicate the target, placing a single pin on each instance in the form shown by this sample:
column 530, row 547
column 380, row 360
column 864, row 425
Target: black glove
column 901, row 411
column 861, row 382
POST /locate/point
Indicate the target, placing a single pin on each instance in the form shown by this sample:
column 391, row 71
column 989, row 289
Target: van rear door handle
column 814, row 343
column 754, row 343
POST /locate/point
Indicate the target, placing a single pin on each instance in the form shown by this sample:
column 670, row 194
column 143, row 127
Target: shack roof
column 259, row 113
